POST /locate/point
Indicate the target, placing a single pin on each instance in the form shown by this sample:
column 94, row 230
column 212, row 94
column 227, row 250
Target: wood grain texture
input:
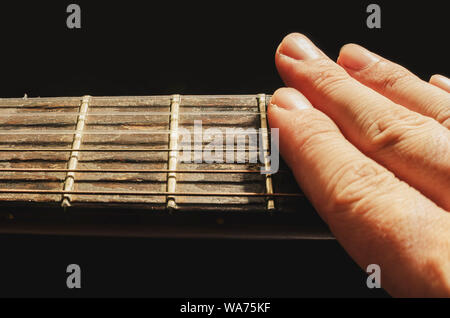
column 123, row 114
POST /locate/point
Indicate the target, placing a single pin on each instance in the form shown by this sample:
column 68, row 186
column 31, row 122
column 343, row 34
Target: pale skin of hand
column 369, row 144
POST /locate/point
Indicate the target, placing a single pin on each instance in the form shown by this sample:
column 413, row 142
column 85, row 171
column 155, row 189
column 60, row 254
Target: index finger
column 376, row 217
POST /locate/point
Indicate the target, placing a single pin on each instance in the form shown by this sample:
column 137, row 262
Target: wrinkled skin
column 369, row 143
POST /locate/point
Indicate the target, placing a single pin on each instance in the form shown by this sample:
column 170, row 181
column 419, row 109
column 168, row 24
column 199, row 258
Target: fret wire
column 266, row 147
column 149, row 193
column 172, row 155
column 76, row 144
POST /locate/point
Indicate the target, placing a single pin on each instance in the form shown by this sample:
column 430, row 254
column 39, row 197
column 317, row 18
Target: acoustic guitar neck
column 176, row 165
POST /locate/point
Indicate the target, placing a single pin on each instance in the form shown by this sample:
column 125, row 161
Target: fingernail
column 290, row 99
column 355, row 57
column 299, row 47
column 441, row 81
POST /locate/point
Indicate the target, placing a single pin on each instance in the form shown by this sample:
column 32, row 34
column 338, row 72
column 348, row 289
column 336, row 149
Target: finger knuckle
column 315, row 132
column 388, row 130
column 446, row 123
column 443, row 115
column 391, row 77
column 325, row 76
column 358, row 182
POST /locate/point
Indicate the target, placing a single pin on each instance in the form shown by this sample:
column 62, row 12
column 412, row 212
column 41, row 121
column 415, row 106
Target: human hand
column 369, row 144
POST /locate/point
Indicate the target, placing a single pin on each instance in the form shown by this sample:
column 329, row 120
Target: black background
column 215, row 47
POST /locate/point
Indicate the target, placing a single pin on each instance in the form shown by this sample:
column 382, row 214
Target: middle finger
column 416, row 148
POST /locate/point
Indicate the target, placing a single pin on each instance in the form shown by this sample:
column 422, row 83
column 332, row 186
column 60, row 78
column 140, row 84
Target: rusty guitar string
column 234, row 171
column 153, row 193
column 110, row 150
column 115, row 132
column 62, row 114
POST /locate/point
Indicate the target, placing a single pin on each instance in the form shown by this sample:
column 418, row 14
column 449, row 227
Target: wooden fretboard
column 124, row 152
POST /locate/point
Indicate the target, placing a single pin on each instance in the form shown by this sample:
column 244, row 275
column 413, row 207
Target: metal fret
column 265, row 145
column 173, row 153
column 73, row 161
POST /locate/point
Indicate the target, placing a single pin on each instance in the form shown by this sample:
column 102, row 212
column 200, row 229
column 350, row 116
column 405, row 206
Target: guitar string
column 231, row 171
column 115, row 132
column 134, row 132
column 112, row 150
column 62, row 114
column 154, row 193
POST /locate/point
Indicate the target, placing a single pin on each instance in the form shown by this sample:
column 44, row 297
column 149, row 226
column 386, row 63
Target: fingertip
column 293, row 36
column 290, row 99
column 343, row 52
column 298, row 47
column 441, row 82
column 434, row 78
column 355, row 57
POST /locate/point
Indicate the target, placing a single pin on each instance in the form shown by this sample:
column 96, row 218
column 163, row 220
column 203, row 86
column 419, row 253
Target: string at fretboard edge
column 123, row 150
